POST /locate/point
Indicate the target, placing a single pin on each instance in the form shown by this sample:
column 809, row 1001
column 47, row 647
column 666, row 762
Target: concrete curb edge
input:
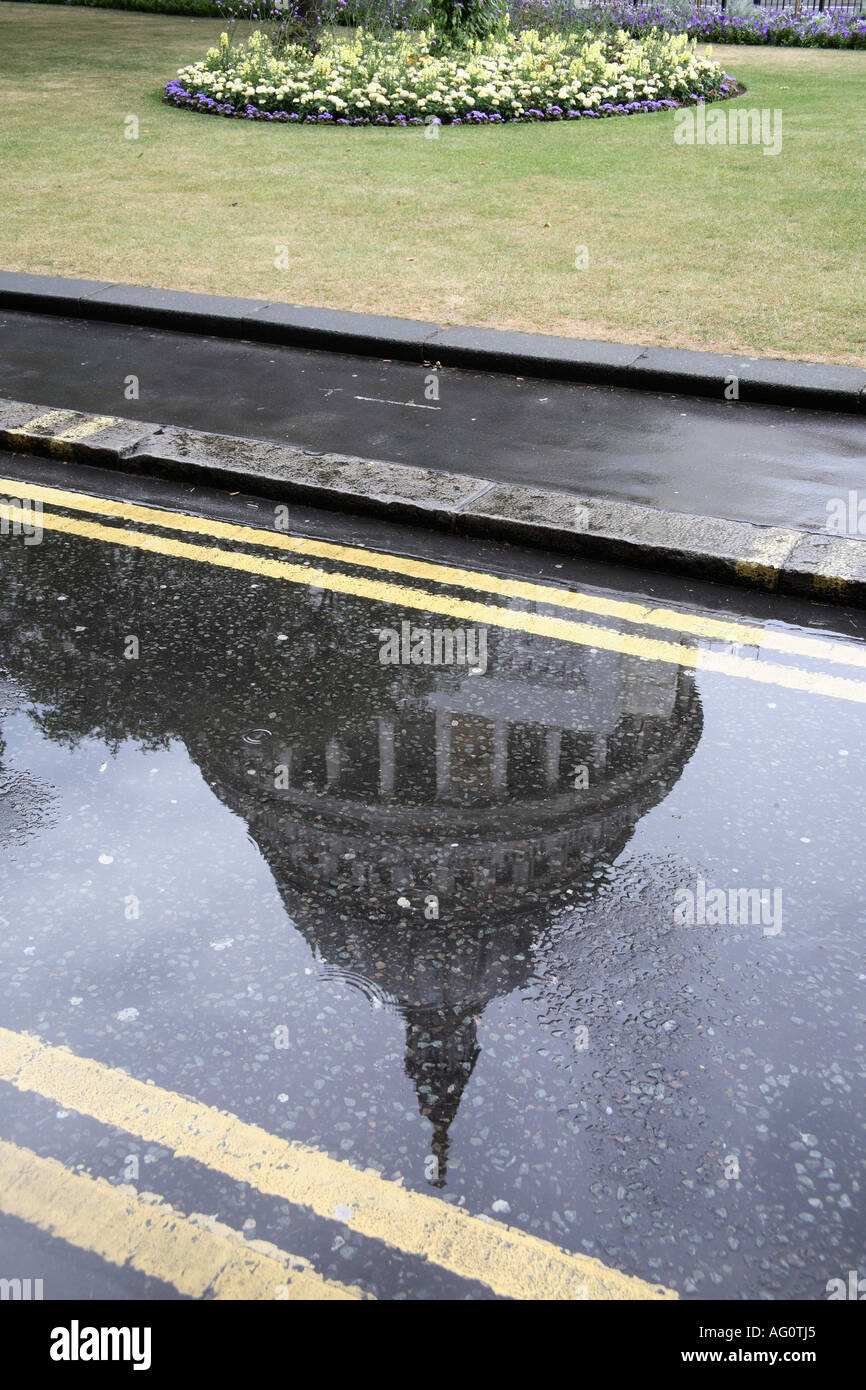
column 809, row 385
column 815, row 565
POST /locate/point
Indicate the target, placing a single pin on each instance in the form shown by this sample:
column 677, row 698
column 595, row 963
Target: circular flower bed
column 412, row 79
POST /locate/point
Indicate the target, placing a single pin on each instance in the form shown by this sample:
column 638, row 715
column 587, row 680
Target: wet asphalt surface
column 771, row 465
column 685, row 1103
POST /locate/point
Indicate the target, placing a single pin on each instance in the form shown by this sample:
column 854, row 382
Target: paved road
column 369, row 959
column 746, row 462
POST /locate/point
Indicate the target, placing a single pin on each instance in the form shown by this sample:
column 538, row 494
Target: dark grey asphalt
column 683, row 1102
column 764, row 464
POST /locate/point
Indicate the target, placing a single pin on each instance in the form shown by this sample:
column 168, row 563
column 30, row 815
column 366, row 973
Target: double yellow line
column 689, row 626
column 204, row 1259
column 198, row 1255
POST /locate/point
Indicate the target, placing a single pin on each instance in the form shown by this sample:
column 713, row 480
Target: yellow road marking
column 47, row 420
column 692, row 624
column 560, row 629
column 509, row 1261
column 201, row 1257
column 769, row 551
column 92, row 425
column 61, row 442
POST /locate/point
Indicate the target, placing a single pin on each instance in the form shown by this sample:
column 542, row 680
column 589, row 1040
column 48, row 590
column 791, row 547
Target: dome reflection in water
column 422, row 852
column 423, row 824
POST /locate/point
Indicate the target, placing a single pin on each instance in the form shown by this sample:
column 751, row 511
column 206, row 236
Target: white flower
column 521, row 71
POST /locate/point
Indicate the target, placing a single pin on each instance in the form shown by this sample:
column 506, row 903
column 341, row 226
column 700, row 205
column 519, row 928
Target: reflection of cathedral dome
column 419, row 824
column 485, row 787
column 483, row 797
column 441, row 1052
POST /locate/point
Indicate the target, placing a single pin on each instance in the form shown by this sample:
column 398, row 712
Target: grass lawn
column 705, row 247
